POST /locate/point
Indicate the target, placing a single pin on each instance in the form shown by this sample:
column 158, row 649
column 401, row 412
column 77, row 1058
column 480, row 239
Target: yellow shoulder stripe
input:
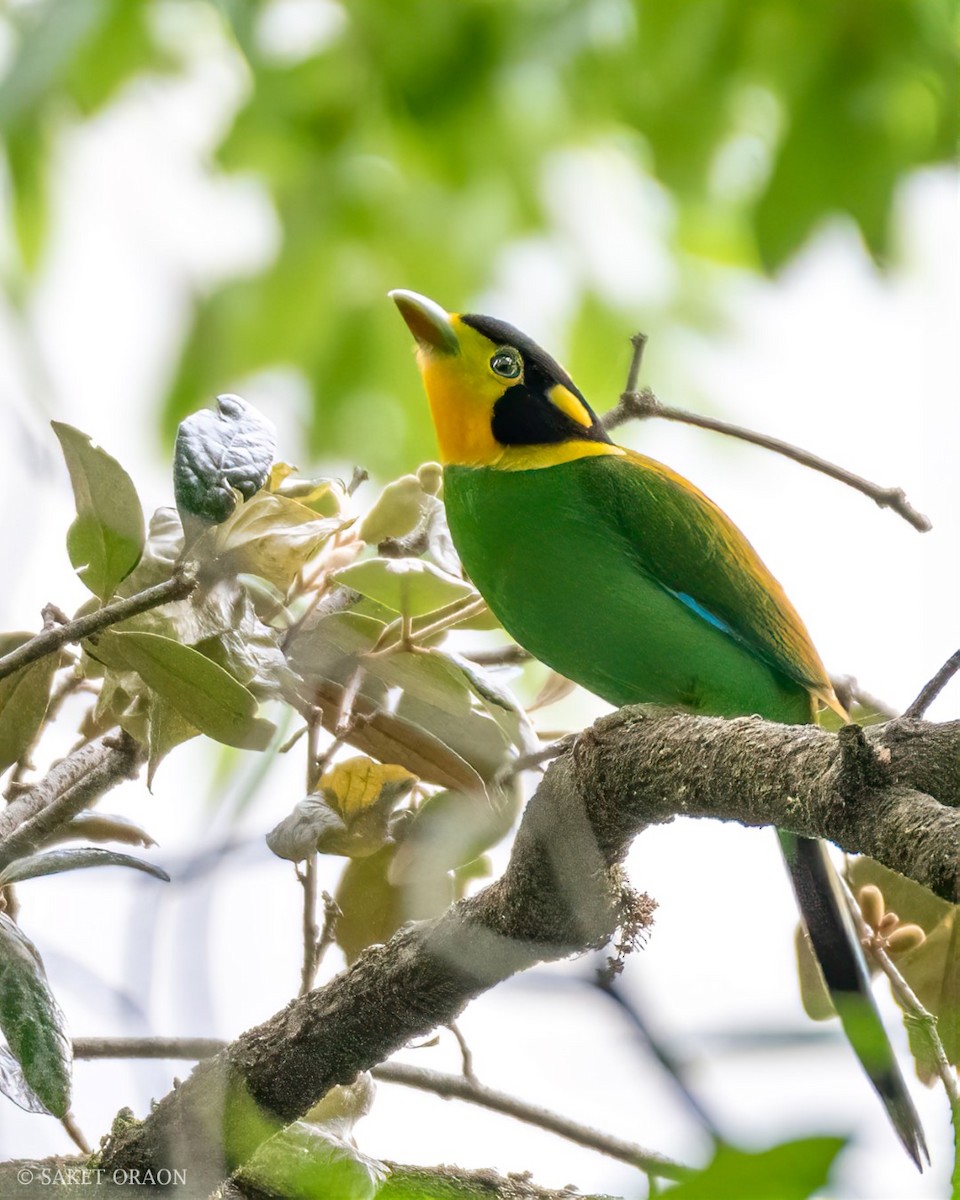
column 562, row 398
column 533, row 458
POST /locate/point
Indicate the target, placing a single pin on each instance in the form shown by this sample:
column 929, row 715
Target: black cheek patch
column 524, row 417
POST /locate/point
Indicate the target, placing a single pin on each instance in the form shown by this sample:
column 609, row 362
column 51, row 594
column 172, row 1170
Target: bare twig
column 308, row 877
column 75, row 1133
column 527, row 762
column 460, row 1087
column 55, row 636
column 503, row 656
column 147, row 1047
column 642, row 404
column 70, row 786
column 311, row 931
column 930, row 691
column 908, row 1000
column 331, row 914
column 466, row 1055
column 348, row 719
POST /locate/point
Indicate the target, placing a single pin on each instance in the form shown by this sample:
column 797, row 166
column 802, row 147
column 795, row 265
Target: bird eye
column 506, row 362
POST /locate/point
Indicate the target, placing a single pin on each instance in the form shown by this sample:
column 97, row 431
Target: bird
column 619, row 574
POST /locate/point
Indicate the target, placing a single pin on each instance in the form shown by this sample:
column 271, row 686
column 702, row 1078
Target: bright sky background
column 856, row 365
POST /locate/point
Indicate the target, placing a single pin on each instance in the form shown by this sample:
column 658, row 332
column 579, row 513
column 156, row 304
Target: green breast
column 555, row 554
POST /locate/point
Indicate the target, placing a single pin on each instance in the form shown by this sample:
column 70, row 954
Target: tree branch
column 892, row 792
column 73, row 784
column 643, row 404
column 51, row 639
column 932, row 689
column 147, row 1047
column 459, row 1087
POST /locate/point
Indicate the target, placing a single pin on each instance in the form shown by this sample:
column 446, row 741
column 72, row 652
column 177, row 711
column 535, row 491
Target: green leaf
column 202, row 692
column 395, row 512
column 348, row 814
column 163, row 548
column 406, row 585
column 313, row 822
column 15, row 1087
column 271, row 536
column 913, row 903
column 166, row 729
column 24, row 696
column 790, row 1171
column 106, row 539
column 103, row 827
column 305, row 1161
column 813, row 988
column 219, row 454
column 54, row 862
column 373, row 908
column 449, row 830
column 31, row 1020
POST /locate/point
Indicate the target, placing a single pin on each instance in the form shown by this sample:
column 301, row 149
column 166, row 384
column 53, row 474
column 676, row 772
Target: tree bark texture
column 892, row 791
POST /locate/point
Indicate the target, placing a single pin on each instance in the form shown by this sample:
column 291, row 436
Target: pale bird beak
column 427, row 321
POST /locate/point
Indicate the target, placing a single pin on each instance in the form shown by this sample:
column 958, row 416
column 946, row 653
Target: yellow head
column 497, row 399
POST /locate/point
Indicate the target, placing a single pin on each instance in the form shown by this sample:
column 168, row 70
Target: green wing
column 696, row 552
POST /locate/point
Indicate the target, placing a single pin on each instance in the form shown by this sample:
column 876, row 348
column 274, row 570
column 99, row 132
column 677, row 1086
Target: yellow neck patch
column 462, row 390
column 532, row 458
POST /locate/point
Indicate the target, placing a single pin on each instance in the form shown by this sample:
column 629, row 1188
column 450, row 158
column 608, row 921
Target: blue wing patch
column 707, row 616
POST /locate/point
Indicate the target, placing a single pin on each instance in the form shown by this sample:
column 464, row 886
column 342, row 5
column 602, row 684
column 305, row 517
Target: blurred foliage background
column 425, row 145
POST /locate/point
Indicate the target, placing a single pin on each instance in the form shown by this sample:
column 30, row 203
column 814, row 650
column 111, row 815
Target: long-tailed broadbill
column 622, row 576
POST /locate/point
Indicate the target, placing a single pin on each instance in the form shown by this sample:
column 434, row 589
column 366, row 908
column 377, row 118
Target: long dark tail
column 837, row 949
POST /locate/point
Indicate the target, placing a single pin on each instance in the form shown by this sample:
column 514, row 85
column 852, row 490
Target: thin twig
column 642, row 404
column 308, row 877
column 331, row 914
column 147, row 1047
column 604, row 982
column 527, row 762
column 638, row 341
column 466, row 1055
column 908, row 1000
column 931, row 690
column 461, row 1088
column 503, row 656
column 52, row 638
column 347, row 719
column 75, row 1133
column 311, row 931
column 72, row 785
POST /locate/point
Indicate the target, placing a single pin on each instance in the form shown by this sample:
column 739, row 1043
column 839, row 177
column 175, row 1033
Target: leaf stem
column 52, row 638
column 909, row 1002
